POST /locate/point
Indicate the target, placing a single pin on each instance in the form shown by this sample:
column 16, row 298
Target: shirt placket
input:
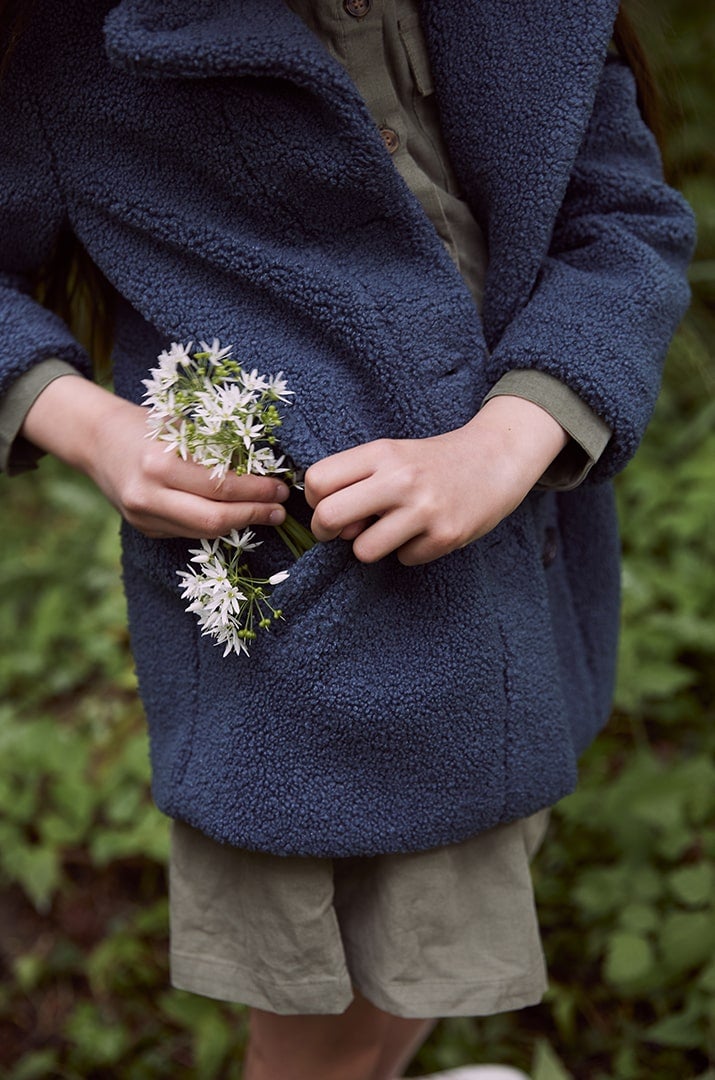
column 363, row 36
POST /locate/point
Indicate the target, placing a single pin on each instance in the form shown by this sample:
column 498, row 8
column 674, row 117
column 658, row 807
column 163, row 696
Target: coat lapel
column 516, row 81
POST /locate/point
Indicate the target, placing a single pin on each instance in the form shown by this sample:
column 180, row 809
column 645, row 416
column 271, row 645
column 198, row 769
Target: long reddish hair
column 70, row 284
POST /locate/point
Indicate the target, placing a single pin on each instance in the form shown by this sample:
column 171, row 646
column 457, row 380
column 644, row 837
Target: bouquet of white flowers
column 205, row 406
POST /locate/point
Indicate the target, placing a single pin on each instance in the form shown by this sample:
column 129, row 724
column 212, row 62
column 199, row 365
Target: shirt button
column 357, row 8
column 390, row 138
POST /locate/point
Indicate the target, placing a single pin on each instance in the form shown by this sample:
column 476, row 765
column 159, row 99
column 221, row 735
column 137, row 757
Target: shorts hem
column 224, row 981
column 433, row 1000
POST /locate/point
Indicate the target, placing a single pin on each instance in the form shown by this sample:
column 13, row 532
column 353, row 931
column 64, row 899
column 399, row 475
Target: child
column 447, row 226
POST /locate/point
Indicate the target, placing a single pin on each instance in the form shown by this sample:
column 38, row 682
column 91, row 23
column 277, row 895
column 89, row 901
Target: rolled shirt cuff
column 17, row 454
column 589, row 434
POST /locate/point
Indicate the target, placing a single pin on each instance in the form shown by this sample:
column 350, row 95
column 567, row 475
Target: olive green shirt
column 381, row 46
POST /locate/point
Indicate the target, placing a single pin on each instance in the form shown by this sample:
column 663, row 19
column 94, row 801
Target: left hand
column 423, row 498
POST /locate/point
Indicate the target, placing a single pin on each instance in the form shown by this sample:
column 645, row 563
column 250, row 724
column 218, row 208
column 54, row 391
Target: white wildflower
column 208, row 409
column 243, row 541
column 214, row 353
column 278, row 387
column 263, row 462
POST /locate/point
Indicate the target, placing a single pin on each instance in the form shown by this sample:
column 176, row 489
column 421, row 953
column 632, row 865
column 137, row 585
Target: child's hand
column 423, row 498
column 158, row 493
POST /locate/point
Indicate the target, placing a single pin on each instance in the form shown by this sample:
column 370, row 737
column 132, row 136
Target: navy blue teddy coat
column 224, row 173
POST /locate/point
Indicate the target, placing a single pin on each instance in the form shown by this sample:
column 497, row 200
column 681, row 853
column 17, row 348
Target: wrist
column 67, row 418
column 520, row 430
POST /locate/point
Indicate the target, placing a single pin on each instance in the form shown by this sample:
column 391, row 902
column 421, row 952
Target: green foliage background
column 625, row 882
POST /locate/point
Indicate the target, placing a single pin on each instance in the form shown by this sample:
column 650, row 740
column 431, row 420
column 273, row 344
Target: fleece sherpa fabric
column 222, row 170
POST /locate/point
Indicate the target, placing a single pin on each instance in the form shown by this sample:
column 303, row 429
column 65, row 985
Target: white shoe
column 479, row 1072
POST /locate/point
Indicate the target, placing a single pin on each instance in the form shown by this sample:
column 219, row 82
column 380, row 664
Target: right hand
column 157, row 492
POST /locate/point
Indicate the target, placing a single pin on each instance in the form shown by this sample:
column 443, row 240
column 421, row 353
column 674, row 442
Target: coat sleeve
column 613, row 287
column 32, row 216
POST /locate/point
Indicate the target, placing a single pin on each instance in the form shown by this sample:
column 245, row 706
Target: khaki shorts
column 447, row 932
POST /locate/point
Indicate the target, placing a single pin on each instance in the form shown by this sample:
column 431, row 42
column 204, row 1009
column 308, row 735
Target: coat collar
column 516, row 82
column 203, row 38
column 209, row 38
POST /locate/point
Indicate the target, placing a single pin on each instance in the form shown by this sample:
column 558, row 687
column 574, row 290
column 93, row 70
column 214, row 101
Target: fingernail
column 276, row 517
column 282, row 491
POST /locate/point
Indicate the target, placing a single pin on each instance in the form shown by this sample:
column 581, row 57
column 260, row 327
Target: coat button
column 357, row 8
column 390, row 138
column 551, row 548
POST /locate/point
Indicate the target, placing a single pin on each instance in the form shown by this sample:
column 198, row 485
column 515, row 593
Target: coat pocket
column 540, row 754
column 310, row 577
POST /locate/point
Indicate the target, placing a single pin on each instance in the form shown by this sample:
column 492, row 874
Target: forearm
column 66, row 416
column 17, row 454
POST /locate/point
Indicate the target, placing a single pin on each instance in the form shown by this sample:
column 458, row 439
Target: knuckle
column 312, row 486
column 135, row 499
column 151, row 463
column 326, row 518
column 446, row 536
column 222, row 489
column 320, row 531
column 256, row 515
column 212, row 523
column 408, row 477
column 387, row 452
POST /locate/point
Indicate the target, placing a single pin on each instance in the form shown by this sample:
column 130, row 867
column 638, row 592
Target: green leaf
column 37, row 1065
column 639, row 918
column 685, row 1029
column 629, row 959
column 673, row 844
column 187, row 1010
column 600, row 890
column 97, row 1040
column 29, row 969
column 115, row 962
column 547, row 1064
column 563, row 1005
column 37, row 869
column 212, row 1041
column 686, row 940
column 626, row 1063
column 707, row 979
column 693, row 885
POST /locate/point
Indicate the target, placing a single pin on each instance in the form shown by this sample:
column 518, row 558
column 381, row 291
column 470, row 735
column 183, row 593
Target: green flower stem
column 295, row 536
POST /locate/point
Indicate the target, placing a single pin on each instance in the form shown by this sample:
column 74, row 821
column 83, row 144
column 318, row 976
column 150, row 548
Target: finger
column 360, row 502
column 190, row 476
column 339, row 471
column 385, row 535
column 433, row 544
column 248, row 488
column 350, row 532
column 422, row 549
column 181, row 513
